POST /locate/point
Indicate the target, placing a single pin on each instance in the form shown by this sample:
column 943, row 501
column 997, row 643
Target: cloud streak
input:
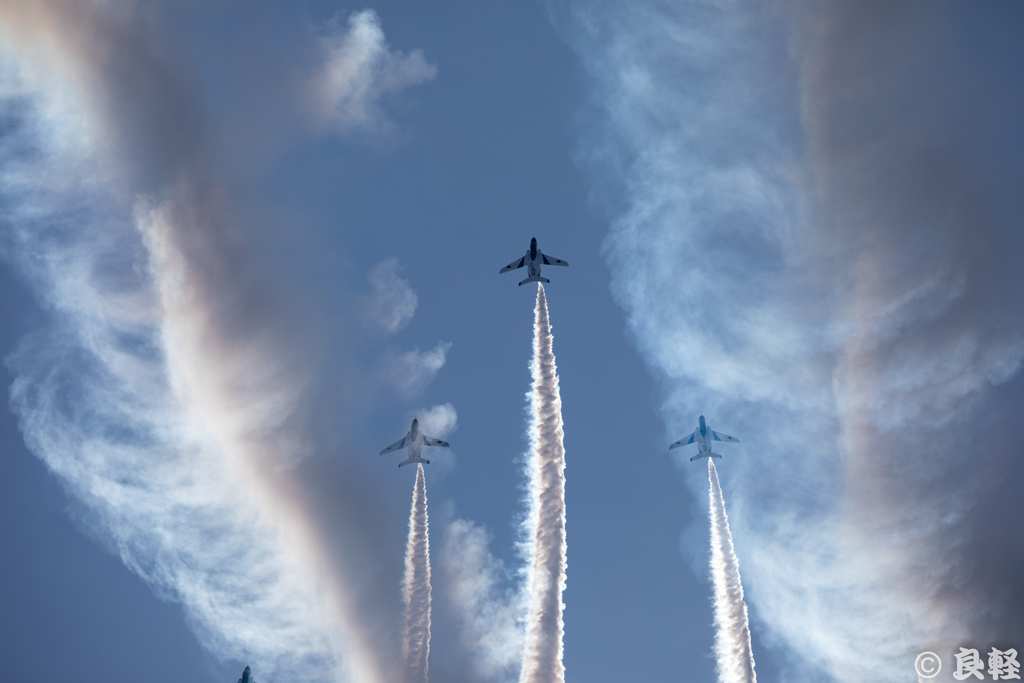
column 126, row 399
column 811, row 217
column 168, row 390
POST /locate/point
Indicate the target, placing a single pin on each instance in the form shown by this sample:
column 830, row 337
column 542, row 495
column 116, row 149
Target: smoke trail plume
column 417, row 586
column 732, row 641
column 542, row 657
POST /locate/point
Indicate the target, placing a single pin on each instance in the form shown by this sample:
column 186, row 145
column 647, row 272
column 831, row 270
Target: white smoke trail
column 732, row 639
column 417, row 586
column 542, row 656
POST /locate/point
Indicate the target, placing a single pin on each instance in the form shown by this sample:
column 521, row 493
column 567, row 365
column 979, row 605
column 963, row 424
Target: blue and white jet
column 413, row 442
column 245, row 677
column 533, row 260
column 703, row 438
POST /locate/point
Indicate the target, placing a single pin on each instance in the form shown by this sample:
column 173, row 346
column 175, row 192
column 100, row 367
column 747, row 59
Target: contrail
column 545, row 526
column 732, row 641
column 417, row 586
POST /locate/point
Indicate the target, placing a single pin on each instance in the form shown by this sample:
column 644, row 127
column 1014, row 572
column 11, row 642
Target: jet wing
column 683, row 442
column 395, row 446
column 518, row 263
column 427, row 441
column 552, row 261
column 724, row 437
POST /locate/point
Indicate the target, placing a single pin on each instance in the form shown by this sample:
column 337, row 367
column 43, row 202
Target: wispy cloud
column 489, row 604
column 158, row 439
column 359, row 70
column 393, row 301
column 811, row 223
column 168, row 389
column 438, row 421
column 390, row 306
column 411, row 371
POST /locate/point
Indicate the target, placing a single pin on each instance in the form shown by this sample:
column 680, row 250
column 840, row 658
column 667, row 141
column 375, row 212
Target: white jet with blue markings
column 533, row 260
column 413, row 443
column 703, row 437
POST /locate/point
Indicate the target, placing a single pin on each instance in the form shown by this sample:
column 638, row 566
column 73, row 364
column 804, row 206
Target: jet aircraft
column 245, row 677
column 414, row 442
column 703, row 437
column 533, row 260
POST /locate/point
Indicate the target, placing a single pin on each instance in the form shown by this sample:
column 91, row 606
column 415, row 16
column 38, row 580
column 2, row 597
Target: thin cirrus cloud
column 166, row 390
column 814, row 232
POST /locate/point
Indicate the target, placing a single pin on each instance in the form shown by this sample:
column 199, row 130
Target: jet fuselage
column 533, row 259
column 703, row 443
column 415, row 444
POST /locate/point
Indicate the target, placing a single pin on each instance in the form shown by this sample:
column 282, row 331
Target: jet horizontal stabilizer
column 535, row 278
column 410, row 461
column 705, row 455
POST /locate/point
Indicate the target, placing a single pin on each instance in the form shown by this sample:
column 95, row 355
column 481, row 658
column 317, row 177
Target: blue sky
column 245, row 245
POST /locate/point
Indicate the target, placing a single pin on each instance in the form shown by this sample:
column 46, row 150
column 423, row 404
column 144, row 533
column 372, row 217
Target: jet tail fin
column 412, row 460
column 535, row 278
column 705, row 455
